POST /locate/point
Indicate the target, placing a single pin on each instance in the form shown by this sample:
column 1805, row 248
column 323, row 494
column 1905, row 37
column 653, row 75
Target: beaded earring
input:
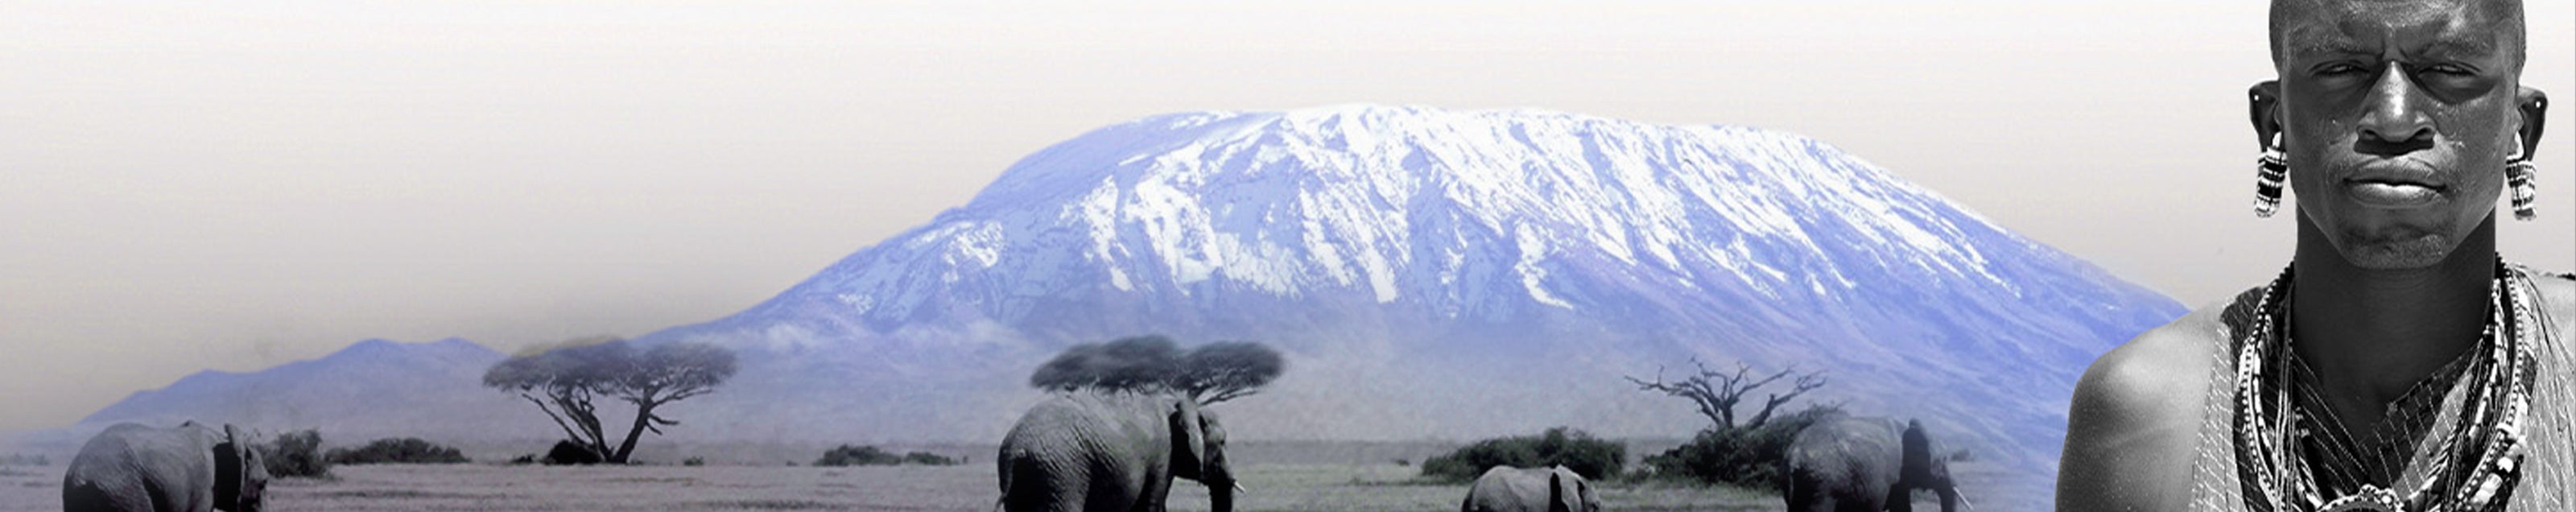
column 2269, row 171
column 2518, row 175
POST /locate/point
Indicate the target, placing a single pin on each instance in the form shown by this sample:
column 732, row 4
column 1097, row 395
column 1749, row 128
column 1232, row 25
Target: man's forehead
column 2302, row 26
column 2482, row 10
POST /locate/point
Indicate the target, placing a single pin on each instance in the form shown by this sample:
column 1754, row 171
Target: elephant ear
column 1558, row 499
column 1189, row 443
column 1916, row 464
column 228, row 470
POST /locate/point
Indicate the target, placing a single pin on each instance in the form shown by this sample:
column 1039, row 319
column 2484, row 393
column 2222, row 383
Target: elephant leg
column 1155, row 496
column 1035, row 486
column 95, row 497
column 1805, row 493
column 1110, row 490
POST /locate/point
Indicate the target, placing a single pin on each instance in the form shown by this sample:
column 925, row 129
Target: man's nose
column 2394, row 122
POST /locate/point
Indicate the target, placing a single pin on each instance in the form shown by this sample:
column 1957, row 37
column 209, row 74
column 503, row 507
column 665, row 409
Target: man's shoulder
column 2557, row 293
column 2171, row 361
column 2133, row 429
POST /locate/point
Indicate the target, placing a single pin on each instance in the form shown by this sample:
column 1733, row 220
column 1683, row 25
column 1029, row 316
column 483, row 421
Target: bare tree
column 566, row 383
column 1717, row 393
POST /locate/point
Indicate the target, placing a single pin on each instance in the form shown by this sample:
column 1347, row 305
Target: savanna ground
column 968, row 487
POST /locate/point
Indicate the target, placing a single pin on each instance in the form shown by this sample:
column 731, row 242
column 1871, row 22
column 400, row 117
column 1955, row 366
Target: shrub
column 567, row 453
column 1744, row 456
column 297, row 454
column 694, row 461
column 1591, row 457
column 928, row 459
column 846, row 455
column 408, row 450
column 523, row 459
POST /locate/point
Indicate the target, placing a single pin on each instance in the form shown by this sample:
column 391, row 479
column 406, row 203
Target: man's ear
column 2263, row 101
column 2535, row 107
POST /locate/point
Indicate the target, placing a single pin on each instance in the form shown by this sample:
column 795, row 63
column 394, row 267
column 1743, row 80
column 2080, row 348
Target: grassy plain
column 970, row 487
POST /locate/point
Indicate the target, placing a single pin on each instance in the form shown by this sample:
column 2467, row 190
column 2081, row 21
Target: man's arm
column 2134, row 425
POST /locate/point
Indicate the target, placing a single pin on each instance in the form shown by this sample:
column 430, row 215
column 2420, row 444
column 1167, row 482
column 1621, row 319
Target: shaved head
column 2295, row 20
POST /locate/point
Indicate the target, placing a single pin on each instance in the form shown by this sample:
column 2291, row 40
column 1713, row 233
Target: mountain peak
column 1432, row 209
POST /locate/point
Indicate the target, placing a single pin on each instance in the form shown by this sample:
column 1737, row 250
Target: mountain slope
column 373, row 388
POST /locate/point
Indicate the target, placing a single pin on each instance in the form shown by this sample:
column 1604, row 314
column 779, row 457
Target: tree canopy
column 566, row 381
column 1210, row 373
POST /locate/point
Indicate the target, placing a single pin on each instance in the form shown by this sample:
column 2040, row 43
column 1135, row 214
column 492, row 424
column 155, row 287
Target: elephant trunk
column 1221, row 496
column 1951, row 501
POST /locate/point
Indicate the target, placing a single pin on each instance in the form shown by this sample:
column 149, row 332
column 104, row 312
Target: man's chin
column 2408, row 254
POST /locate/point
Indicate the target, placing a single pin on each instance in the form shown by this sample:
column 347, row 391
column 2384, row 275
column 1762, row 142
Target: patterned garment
column 2549, row 438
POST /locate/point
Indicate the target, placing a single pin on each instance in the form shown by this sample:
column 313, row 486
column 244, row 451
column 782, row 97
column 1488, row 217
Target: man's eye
column 2448, row 69
column 2341, row 68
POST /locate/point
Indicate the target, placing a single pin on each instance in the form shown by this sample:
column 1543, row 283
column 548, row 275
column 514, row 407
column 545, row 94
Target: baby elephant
column 191, row 468
column 1508, row 489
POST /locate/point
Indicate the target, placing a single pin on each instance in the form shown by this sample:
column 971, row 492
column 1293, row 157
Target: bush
column 408, row 450
column 694, row 461
column 1591, row 457
column 523, row 459
column 1748, row 457
column 296, row 454
column 928, row 459
column 847, row 455
column 568, row 453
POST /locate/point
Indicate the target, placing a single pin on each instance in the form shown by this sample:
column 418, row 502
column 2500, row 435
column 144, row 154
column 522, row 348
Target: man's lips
column 2394, row 192
column 2396, row 183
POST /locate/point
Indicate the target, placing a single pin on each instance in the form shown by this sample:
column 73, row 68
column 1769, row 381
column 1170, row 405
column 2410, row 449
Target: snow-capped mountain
column 1429, row 274
column 1438, row 274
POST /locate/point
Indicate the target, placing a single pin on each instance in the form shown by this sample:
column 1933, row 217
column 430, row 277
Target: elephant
column 192, row 468
column 1112, row 451
column 1510, row 489
column 1849, row 464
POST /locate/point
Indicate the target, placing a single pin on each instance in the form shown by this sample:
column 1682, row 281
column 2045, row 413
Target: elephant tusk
column 1238, row 488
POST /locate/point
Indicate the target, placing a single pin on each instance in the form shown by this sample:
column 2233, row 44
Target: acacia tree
column 567, row 382
column 1222, row 371
column 1717, row 393
column 1208, row 374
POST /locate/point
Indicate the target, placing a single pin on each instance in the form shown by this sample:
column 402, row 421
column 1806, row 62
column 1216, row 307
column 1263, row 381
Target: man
column 2397, row 364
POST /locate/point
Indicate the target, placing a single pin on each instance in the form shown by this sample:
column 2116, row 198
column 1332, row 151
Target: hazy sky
column 186, row 187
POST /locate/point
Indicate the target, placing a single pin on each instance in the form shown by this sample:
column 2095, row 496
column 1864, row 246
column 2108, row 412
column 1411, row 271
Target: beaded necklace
column 2473, row 466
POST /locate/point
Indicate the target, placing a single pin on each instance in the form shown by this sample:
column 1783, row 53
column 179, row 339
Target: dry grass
column 476, row 487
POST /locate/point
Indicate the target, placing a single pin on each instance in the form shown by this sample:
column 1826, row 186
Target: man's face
column 2397, row 117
